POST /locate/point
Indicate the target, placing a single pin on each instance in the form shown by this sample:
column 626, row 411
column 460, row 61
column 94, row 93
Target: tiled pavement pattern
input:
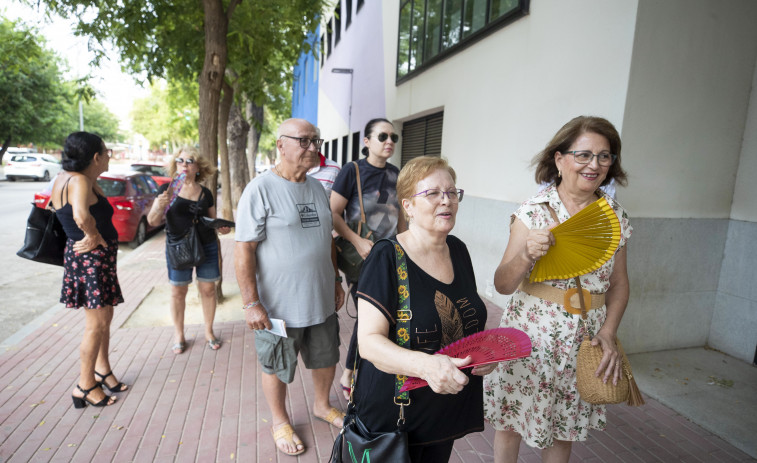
column 207, row 405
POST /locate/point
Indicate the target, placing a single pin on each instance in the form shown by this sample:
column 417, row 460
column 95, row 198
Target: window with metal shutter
column 422, row 137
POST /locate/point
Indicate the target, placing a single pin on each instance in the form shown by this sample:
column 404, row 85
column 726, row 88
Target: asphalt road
column 27, row 289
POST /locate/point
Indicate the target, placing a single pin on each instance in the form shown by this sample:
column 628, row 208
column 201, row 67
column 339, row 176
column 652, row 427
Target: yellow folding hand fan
column 582, row 244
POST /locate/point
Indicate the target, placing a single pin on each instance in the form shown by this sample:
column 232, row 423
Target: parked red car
column 154, row 169
column 131, row 194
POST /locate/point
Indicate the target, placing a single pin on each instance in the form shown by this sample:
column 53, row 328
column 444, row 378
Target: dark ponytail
column 369, row 129
column 79, row 150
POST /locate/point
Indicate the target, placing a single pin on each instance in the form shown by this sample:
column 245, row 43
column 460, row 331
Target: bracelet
column 251, row 305
column 339, row 278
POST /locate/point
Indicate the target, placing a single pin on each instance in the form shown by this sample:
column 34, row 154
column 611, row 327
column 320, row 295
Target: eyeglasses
column 454, row 195
column 383, row 136
column 188, row 161
column 108, row 152
column 585, row 157
column 305, row 142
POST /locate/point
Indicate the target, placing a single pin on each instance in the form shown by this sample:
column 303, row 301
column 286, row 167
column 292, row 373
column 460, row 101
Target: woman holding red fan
column 444, row 308
column 536, row 398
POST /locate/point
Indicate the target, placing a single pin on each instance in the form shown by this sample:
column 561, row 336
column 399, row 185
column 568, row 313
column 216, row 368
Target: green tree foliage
column 33, row 98
column 169, row 113
column 98, row 118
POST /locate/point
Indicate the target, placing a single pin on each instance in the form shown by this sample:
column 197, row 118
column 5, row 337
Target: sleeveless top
column 102, row 211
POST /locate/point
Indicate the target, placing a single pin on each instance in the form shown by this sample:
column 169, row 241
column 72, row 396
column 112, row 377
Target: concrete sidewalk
column 208, row 405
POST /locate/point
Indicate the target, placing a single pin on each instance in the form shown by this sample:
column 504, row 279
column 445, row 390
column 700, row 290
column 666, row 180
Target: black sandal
column 117, row 388
column 81, row 402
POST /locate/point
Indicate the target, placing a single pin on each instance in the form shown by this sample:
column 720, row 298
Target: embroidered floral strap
column 404, row 315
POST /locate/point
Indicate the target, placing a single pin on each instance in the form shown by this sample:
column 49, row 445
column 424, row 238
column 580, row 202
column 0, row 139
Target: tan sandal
column 331, row 416
column 286, row 432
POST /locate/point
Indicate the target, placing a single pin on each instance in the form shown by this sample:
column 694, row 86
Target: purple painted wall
column 361, row 49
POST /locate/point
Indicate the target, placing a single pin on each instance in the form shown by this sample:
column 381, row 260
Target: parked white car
column 36, row 166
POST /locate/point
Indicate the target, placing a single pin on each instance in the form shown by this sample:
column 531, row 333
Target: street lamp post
column 350, row 72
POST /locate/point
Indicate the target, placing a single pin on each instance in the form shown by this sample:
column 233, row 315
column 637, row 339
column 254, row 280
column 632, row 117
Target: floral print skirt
column 536, row 396
column 89, row 279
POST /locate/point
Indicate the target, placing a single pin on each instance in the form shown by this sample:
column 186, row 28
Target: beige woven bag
column 592, row 388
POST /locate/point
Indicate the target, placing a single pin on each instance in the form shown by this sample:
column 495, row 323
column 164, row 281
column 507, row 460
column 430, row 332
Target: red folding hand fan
column 484, row 347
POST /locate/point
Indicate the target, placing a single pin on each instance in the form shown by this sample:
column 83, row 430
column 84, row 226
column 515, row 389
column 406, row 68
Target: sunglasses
column 383, row 136
column 187, row 161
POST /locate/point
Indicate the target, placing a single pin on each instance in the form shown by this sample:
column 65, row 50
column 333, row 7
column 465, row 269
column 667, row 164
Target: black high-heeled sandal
column 117, row 388
column 81, row 402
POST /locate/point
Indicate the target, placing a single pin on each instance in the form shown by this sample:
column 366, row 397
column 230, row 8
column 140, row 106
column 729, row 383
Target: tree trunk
column 237, row 134
column 256, row 116
column 223, row 149
column 211, row 77
column 4, row 147
column 210, row 82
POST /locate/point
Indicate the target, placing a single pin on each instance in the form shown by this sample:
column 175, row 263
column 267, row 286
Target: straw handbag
column 593, row 390
column 584, row 243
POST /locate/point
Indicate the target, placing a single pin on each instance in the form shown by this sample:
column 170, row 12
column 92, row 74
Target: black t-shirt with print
column 181, row 214
column 380, row 203
column 442, row 314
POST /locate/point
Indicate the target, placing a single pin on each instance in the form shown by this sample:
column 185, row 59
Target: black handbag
column 355, row 441
column 348, row 259
column 45, row 240
column 186, row 252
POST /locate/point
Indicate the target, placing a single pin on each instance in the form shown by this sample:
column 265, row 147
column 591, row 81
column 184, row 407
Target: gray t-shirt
column 292, row 223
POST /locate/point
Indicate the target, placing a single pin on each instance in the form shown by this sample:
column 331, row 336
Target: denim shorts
column 207, row 271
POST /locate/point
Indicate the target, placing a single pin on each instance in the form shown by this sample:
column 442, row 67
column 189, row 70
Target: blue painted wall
column 305, row 85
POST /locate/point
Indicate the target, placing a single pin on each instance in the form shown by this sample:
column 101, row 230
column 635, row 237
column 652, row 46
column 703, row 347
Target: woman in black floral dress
column 89, row 278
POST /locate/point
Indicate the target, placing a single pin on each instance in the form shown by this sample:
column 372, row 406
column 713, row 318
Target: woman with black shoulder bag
column 182, row 202
column 375, row 200
column 416, row 295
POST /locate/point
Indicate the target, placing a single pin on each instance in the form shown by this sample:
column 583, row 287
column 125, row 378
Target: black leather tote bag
column 45, row 240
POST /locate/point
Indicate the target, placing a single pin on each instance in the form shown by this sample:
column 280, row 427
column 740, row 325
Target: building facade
column 486, row 84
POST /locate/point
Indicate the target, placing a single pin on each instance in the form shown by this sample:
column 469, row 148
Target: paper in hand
column 278, row 327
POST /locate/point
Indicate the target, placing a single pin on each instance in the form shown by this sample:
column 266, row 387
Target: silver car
column 36, row 166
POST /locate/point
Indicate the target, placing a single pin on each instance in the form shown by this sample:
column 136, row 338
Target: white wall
column 505, row 96
column 691, row 76
column 745, row 195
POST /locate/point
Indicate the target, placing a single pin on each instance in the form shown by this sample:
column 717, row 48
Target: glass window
column 337, row 23
column 475, row 16
column 152, row 185
column 501, row 7
column 403, row 51
column 112, row 187
column 429, row 29
column 355, row 148
column 453, row 13
column 323, row 48
column 141, row 184
column 328, row 39
column 433, row 28
column 416, row 34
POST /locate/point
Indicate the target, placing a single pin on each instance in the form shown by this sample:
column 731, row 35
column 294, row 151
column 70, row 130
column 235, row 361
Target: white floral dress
column 536, row 396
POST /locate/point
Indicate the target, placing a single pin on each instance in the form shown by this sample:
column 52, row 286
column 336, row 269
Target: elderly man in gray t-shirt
column 285, row 264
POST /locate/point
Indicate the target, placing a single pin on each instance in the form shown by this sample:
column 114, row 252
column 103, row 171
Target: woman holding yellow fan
column 536, row 398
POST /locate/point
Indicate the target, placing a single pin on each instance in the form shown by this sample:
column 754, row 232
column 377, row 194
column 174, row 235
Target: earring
column 197, row 174
column 559, row 174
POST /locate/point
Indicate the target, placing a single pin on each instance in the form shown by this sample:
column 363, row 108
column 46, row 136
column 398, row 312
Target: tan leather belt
column 565, row 297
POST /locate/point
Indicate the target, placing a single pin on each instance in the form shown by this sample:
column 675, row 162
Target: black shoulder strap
column 65, row 188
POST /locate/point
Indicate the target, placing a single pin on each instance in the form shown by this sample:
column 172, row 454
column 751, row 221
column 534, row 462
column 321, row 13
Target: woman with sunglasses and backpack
column 378, row 186
column 180, row 201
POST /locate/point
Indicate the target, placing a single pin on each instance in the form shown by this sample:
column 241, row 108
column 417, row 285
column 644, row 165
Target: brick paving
column 208, row 406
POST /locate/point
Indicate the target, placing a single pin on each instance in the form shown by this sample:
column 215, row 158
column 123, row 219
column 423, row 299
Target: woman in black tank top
column 89, row 263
